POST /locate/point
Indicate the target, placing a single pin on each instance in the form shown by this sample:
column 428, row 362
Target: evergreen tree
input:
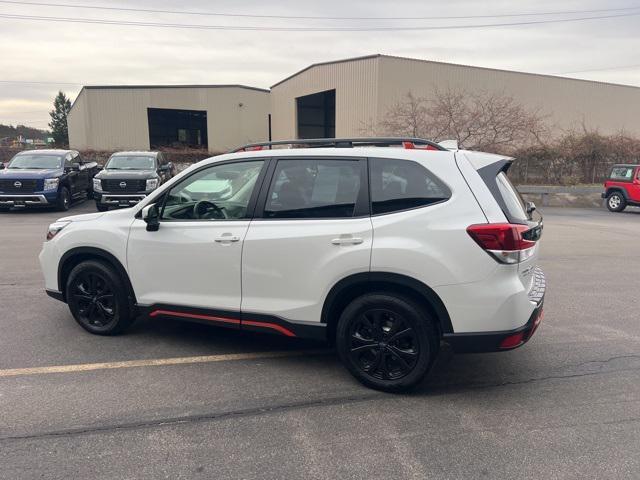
column 58, row 124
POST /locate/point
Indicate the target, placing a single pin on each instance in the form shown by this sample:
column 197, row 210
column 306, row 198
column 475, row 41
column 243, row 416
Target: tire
column 102, row 208
column 97, row 298
column 385, row 358
column 64, row 200
column 616, row 202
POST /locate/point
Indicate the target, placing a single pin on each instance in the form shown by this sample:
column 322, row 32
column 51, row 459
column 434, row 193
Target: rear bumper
column 500, row 341
column 495, row 341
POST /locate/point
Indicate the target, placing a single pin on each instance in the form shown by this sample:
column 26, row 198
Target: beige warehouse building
column 334, row 99
column 344, row 98
column 215, row 117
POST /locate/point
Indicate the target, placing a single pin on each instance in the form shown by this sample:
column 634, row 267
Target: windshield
column 35, row 161
column 126, row 162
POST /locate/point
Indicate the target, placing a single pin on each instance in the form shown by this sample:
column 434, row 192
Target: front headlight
column 97, row 185
column 51, row 184
column 55, row 227
column 152, row 183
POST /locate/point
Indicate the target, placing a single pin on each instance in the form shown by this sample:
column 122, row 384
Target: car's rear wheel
column 64, row 200
column 387, row 342
column 98, row 298
column 616, row 202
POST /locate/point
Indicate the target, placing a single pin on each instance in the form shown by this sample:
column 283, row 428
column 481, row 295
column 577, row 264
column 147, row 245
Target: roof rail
column 409, row 143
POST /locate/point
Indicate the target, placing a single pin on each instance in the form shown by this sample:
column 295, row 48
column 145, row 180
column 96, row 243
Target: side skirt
column 237, row 320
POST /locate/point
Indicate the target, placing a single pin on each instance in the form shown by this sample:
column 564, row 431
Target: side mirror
column 531, row 207
column 151, row 217
column 1, row 166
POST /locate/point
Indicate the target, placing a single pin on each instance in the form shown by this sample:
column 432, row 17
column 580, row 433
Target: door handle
column 227, row 239
column 347, row 241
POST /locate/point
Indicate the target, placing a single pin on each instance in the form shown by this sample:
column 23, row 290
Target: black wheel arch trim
column 612, row 190
column 95, row 253
column 370, row 279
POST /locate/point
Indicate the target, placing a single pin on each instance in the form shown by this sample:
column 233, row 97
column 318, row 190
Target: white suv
column 387, row 252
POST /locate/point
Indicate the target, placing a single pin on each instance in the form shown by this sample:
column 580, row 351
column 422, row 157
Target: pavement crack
column 447, row 388
column 610, row 359
column 555, row 377
column 256, row 411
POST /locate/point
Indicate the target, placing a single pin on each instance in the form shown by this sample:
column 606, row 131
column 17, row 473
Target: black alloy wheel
column 388, row 342
column 97, row 298
column 383, row 344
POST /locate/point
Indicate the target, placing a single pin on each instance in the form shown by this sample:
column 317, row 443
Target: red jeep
column 622, row 188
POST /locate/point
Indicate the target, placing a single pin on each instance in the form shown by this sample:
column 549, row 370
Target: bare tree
column 481, row 120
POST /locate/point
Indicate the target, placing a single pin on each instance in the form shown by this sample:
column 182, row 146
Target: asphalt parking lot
column 566, row 405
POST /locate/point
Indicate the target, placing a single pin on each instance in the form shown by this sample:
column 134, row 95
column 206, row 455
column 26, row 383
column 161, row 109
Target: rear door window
column 315, row 188
column 403, row 184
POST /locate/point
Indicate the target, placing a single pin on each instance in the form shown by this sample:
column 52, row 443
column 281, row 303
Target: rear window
column 622, row 173
column 513, row 203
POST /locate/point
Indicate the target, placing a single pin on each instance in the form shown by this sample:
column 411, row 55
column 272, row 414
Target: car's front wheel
column 616, row 202
column 387, row 342
column 102, row 208
column 64, row 200
column 98, row 298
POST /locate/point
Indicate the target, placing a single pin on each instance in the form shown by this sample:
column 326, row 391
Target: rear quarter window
column 624, row 174
column 403, row 184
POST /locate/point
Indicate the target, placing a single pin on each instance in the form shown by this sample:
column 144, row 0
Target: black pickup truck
column 46, row 178
column 128, row 177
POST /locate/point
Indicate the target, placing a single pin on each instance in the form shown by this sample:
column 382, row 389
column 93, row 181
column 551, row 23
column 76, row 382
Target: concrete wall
column 116, row 118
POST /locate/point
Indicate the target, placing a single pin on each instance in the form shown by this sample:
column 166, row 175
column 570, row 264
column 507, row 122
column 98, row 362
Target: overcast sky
column 93, row 54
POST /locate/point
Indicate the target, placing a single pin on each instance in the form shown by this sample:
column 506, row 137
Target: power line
column 38, row 83
column 310, row 17
column 619, row 67
column 301, row 29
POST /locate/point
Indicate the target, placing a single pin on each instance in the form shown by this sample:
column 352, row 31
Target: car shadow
column 450, row 373
column 631, row 211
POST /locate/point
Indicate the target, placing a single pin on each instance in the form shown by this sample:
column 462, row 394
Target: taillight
column 503, row 241
column 255, row 148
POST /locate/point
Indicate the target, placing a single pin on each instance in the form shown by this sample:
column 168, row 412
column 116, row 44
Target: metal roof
column 125, row 87
column 380, row 55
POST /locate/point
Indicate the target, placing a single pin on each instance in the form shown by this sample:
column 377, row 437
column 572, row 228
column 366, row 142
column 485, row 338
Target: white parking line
column 85, row 367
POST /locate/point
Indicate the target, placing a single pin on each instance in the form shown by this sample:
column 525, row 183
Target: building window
column 177, row 128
